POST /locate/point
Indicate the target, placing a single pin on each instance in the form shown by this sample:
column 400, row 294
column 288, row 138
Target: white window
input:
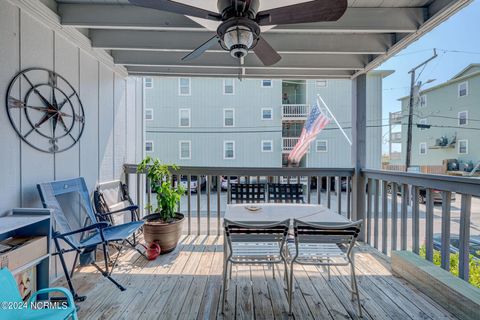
column 228, row 150
column 228, row 86
column 321, row 83
column 148, row 114
column 462, row 146
column 423, row 100
column 267, row 146
column 184, row 117
column 185, row 149
column 321, row 146
column 463, row 89
column 267, row 114
column 422, row 121
column 422, row 148
column 148, row 83
column 266, row 83
column 149, row 146
column 463, row 118
column 228, row 117
column 184, row 86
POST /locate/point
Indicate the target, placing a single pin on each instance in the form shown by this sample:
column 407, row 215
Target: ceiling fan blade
column 177, row 7
column 312, row 11
column 200, row 50
column 266, row 53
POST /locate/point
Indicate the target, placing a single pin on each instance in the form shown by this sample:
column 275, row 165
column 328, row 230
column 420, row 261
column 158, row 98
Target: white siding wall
column 111, row 101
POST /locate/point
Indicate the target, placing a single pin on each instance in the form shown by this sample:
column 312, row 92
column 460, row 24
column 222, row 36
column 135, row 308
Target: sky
column 457, row 41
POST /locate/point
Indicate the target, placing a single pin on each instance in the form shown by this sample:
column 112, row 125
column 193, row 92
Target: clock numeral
column 52, row 79
column 54, row 147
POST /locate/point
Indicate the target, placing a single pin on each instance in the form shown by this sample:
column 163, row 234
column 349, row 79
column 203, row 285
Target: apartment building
column 253, row 122
column 446, row 122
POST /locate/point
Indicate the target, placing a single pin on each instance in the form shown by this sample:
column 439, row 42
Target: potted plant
column 164, row 226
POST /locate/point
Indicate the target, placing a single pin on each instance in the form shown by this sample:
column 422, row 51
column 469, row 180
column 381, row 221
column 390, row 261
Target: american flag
column 315, row 123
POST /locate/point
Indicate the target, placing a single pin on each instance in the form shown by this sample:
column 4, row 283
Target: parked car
column 224, row 181
column 193, row 183
column 474, row 246
column 422, row 194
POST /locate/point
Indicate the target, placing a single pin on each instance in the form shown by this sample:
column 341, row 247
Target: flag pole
column 334, row 119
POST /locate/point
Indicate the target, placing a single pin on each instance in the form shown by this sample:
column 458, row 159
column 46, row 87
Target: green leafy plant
column 167, row 195
column 474, row 274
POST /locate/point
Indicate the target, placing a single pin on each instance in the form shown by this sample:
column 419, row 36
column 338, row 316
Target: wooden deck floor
column 186, row 284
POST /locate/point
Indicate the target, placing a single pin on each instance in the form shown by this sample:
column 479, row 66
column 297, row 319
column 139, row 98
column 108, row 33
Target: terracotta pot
column 166, row 235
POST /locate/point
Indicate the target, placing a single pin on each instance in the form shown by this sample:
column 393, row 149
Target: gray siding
column 103, row 148
column 441, row 111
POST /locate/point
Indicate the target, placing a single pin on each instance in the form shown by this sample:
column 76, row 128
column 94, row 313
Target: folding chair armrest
column 98, row 225
column 129, row 208
column 64, row 291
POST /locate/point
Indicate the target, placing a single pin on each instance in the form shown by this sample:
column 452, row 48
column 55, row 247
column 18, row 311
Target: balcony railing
column 288, row 144
column 396, row 117
column 295, row 111
column 395, row 216
column 396, row 137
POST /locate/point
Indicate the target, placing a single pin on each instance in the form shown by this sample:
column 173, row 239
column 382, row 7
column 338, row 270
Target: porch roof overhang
column 152, row 42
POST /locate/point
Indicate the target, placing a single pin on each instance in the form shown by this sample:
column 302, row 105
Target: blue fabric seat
column 95, row 231
column 9, row 293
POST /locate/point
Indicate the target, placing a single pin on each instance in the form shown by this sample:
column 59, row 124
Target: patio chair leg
column 134, row 246
column 74, row 264
column 105, row 256
column 285, row 275
column 225, row 283
column 328, row 271
column 290, row 290
column 76, row 297
column 273, row 271
column 106, row 275
column 357, row 293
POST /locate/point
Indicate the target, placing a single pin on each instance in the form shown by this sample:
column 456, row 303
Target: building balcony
column 288, row 144
column 396, row 117
column 396, row 137
column 295, row 112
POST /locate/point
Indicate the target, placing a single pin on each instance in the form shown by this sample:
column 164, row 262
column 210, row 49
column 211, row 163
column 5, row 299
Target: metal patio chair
column 286, row 193
column 324, row 245
column 113, row 204
column 247, row 192
column 254, row 244
column 85, row 239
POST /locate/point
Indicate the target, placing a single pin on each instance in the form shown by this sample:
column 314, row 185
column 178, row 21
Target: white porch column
column 359, row 146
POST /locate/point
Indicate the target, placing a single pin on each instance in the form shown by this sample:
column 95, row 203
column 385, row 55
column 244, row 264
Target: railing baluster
column 329, row 182
column 219, row 191
column 376, row 204
column 415, row 221
column 229, row 194
column 369, row 210
column 140, row 195
column 208, row 204
column 445, row 249
column 149, row 195
column 199, row 192
column 404, row 213
column 429, row 226
column 348, row 199
column 464, row 237
column 319, row 190
column 394, row 216
column 189, row 204
column 339, row 194
column 309, row 181
column 384, row 216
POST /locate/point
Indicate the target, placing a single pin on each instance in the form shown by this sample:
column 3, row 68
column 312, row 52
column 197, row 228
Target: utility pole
column 410, row 108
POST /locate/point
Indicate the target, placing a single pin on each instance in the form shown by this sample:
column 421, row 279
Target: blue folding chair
column 84, row 240
column 14, row 309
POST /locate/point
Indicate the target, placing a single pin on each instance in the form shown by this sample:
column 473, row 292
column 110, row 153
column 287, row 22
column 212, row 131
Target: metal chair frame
column 247, row 192
column 287, row 193
column 317, row 234
column 272, row 236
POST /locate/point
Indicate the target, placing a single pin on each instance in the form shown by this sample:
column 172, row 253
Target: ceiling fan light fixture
column 238, row 40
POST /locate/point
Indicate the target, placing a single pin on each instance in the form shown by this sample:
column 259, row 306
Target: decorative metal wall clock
column 45, row 110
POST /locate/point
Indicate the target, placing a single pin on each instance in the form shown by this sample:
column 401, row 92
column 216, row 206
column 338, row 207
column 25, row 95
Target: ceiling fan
column 239, row 30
